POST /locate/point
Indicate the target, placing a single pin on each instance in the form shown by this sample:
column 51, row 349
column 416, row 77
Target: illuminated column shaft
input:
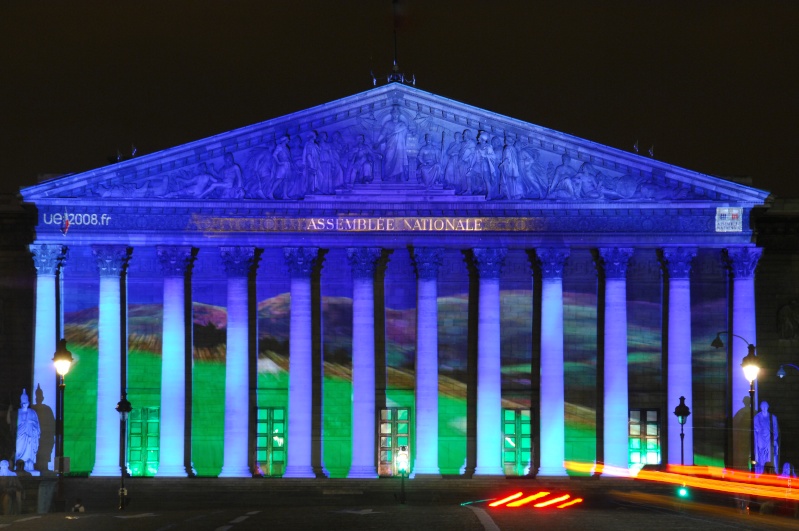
column 489, row 375
column 427, row 261
column 364, row 451
column 616, row 450
column 678, row 263
column 742, row 262
column 111, row 263
column 301, row 262
column 238, row 263
column 47, row 259
column 553, row 401
column 175, row 262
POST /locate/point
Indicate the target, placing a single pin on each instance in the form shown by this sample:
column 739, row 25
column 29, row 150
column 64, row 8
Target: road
column 613, row 512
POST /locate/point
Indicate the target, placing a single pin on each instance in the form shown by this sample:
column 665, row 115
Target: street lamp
column 62, row 359
column 682, row 411
column 751, row 368
column 403, row 460
column 124, row 408
column 781, row 372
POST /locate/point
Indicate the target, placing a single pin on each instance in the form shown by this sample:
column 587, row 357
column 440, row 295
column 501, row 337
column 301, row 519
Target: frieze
column 122, row 219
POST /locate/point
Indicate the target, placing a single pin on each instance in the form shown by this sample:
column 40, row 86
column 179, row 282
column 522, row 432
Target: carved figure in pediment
column 624, row 187
column 392, row 144
column 483, row 172
column 361, row 163
column 192, row 184
column 258, row 172
column 533, row 175
column 451, row 179
column 312, row 163
column 282, row 169
column 653, row 191
column 329, row 166
column 588, row 182
column 117, row 188
column 564, row 184
column 226, row 182
column 509, row 173
column 341, row 151
column 428, row 168
column 466, row 154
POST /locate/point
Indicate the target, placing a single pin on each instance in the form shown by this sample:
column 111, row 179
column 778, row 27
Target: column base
column 171, row 471
column 235, row 472
column 425, row 475
column 362, row 472
column 299, row 471
column 106, row 471
column 551, row 471
column 489, row 471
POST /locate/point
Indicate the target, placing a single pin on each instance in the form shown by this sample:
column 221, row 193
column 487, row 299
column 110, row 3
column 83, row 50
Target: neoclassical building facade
column 394, row 270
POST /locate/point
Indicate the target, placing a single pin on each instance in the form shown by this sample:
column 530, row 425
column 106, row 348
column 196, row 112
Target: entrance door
column 144, row 438
column 644, row 438
column 517, row 442
column 270, row 441
column 395, row 431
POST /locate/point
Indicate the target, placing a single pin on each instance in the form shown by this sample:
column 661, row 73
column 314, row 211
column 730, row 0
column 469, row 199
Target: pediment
column 395, row 141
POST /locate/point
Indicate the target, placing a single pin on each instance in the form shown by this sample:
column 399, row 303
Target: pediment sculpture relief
column 421, row 152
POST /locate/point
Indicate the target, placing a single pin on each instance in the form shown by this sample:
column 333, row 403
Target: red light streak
column 570, row 503
column 528, row 499
column 552, row 501
column 505, row 500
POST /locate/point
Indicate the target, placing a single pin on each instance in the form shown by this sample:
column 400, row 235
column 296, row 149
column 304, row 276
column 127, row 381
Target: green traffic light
column 682, row 492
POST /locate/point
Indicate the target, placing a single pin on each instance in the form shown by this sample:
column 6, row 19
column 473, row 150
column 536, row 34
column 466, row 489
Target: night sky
column 712, row 85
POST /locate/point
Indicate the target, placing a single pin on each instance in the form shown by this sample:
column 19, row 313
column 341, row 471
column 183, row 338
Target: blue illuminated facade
column 300, row 297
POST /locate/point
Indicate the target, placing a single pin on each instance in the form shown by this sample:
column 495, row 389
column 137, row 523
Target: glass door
column 517, row 442
column 270, row 441
column 395, row 431
column 144, row 432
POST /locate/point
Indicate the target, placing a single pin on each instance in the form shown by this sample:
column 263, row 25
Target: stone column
column 48, row 260
column 489, row 375
column 553, row 399
column 112, row 260
column 175, row 263
column 742, row 262
column 427, row 262
column 238, row 261
column 300, row 261
column 679, row 374
column 616, row 408
column 364, row 450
